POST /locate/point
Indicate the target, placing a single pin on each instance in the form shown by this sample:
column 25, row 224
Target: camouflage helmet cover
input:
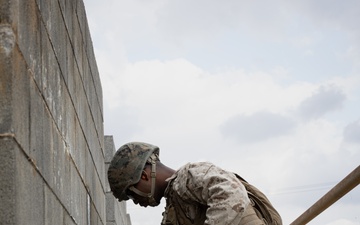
column 126, row 166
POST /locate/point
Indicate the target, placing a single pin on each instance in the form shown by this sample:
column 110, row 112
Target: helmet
column 127, row 165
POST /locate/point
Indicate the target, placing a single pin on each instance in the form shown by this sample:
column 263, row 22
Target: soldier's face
column 144, row 186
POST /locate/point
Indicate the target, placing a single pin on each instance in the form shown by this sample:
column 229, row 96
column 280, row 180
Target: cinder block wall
column 52, row 156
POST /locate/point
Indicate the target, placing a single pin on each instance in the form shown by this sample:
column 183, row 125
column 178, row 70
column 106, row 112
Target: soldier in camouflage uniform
column 196, row 194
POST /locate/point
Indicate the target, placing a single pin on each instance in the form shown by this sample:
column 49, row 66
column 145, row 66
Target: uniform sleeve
column 221, row 191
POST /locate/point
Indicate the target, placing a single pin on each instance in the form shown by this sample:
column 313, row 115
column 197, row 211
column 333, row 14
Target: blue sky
column 269, row 90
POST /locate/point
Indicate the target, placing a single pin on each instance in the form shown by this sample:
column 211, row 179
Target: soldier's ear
column 144, row 175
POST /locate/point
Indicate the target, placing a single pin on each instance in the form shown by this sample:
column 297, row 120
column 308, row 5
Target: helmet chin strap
column 152, row 159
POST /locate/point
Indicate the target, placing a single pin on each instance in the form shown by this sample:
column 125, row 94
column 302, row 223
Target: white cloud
column 353, row 53
column 352, row 132
column 326, row 99
column 258, row 126
column 178, row 82
column 330, row 14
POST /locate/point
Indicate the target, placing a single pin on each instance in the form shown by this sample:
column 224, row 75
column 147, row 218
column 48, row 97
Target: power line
column 303, row 188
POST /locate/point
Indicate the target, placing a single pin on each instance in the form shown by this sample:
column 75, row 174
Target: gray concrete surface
column 52, row 152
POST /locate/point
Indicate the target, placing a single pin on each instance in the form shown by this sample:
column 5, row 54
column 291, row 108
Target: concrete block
column 98, row 196
column 96, row 114
column 96, row 152
column 101, row 130
column 21, row 86
column 128, row 219
column 92, row 97
column 55, row 27
column 109, row 148
column 48, row 59
column 86, row 75
column 77, row 45
column 6, row 12
column 121, row 215
column 94, row 216
column 45, row 11
column 51, row 76
column 68, row 220
column 78, row 196
column 37, row 117
column 64, row 106
column 93, row 67
column 90, row 171
column 110, row 207
column 54, row 62
column 53, row 54
column 8, row 184
column 97, row 85
column 67, row 187
column 5, row 102
column 107, row 185
column 80, row 152
column 60, row 180
column 92, row 138
column 59, row 36
column 62, row 4
column 29, row 191
column 41, row 134
column 81, row 15
column 53, row 93
column 45, row 152
column 68, row 121
column 91, row 92
column 28, row 35
column 69, row 72
column 68, row 11
column 83, row 112
column 75, row 85
column 7, row 36
column 96, row 189
column 97, row 121
column 54, row 212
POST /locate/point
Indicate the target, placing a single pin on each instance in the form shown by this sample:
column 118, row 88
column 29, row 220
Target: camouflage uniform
column 203, row 194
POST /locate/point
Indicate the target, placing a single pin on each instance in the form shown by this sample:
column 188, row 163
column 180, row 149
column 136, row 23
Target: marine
column 198, row 193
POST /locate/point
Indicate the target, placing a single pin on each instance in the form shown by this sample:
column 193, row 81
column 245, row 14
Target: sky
column 267, row 89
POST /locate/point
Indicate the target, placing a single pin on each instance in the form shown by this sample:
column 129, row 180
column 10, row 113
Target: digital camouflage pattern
column 202, row 193
column 126, row 166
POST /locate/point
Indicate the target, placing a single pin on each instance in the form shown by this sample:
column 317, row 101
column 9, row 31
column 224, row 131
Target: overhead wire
column 303, row 188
